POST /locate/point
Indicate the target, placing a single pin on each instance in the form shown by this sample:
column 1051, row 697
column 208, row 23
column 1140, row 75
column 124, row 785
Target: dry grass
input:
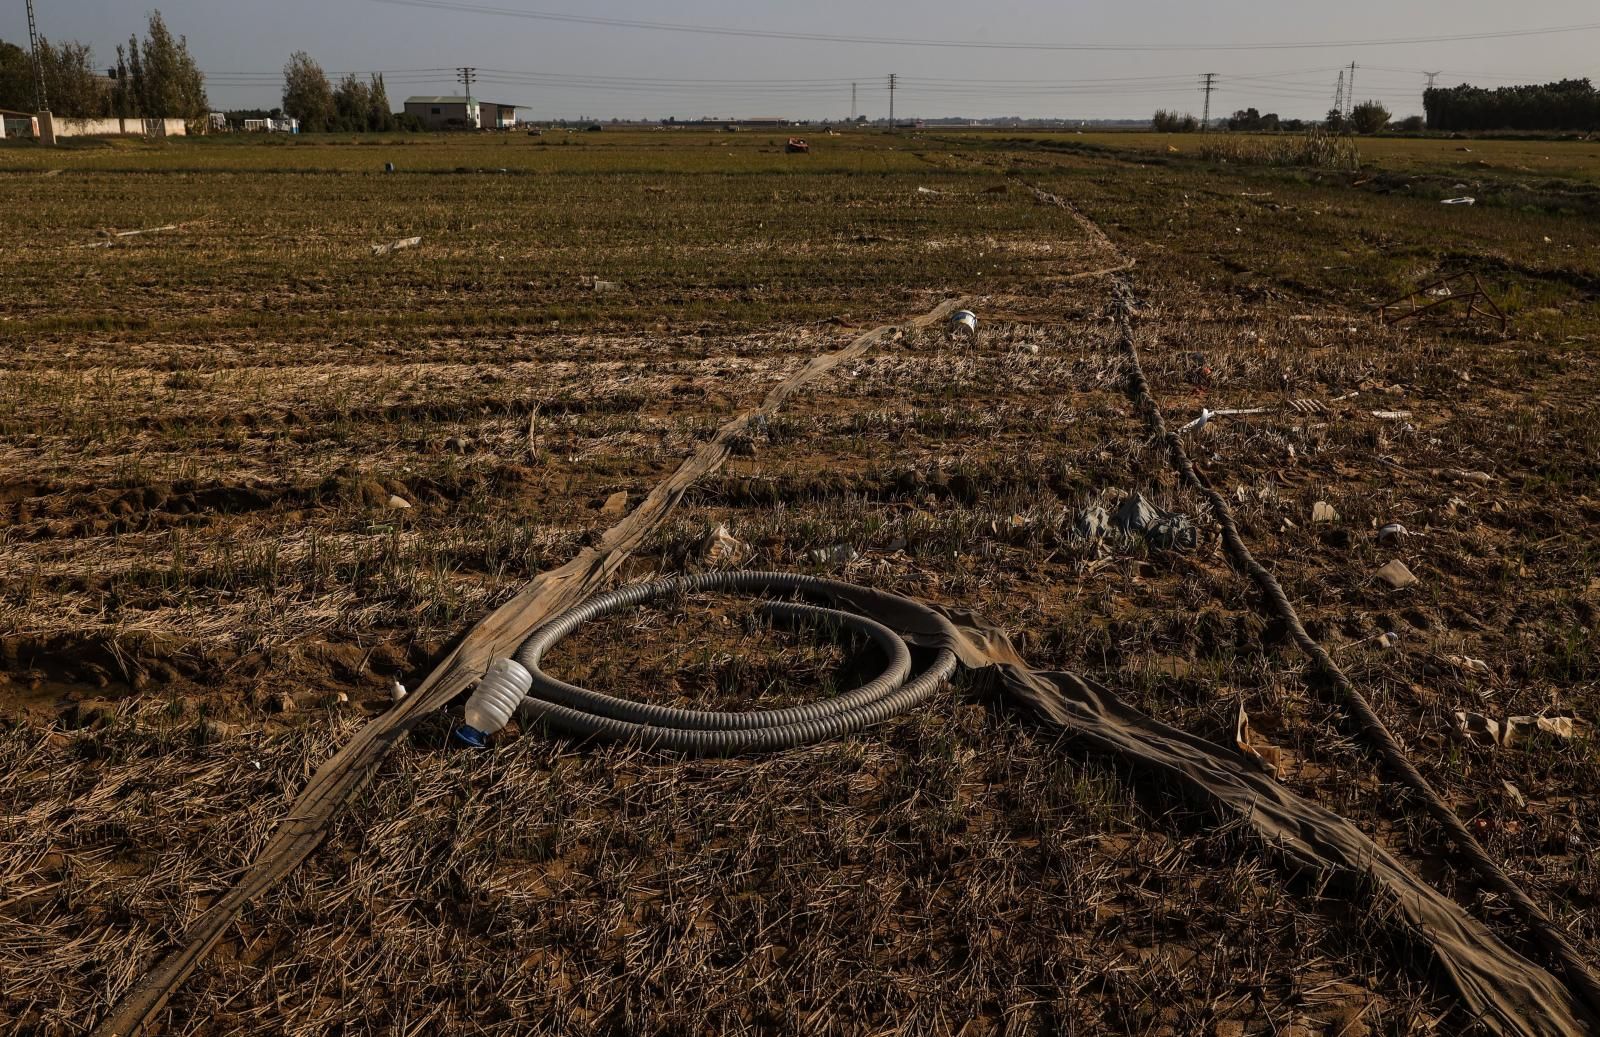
column 197, row 522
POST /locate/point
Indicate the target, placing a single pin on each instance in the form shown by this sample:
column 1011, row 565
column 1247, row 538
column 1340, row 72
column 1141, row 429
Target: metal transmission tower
column 892, row 78
column 852, row 102
column 1350, row 92
column 1338, row 95
column 39, row 98
column 1208, row 81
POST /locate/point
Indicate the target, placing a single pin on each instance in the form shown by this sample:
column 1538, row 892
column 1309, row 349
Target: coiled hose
column 578, row 711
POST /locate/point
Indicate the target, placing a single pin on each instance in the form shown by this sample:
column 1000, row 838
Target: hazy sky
column 561, row 69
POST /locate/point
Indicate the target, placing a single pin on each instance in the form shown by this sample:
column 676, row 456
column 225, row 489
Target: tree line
column 1571, row 104
column 350, row 107
column 1368, row 117
column 153, row 78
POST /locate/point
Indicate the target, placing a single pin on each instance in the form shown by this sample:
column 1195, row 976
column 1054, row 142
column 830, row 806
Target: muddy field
column 251, row 473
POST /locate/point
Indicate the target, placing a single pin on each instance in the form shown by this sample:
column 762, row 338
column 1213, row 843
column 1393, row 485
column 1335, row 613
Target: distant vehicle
column 593, row 127
column 536, row 133
column 797, row 146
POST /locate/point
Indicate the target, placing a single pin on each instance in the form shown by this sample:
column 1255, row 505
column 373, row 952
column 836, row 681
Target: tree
column 306, row 93
column 16, row 78
column 1334, row 121
column 352, row 104
column 1369, row 117
column 1250, row 119
column 1571, row 104
column 167, row 84
column 380, row 117
column 71, row 84
column 1411, row 124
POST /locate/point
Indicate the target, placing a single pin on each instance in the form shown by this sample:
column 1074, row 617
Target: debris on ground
column 1322, row 512
column 397, row 691
column 963, row 324
column 395, row 246
column 1389, row 639
column 398, row 502
column 1467, row 664
column 1392, row 415
column 1514, row 794
column 1476, row 478
column 1198, row 423
column 1093, row 524
column 721, row 547
column 1392, row 531
column 928, row 190
column 1164, row 529
column 616, row 505
column 1267, row 757
column 605, row 287
column 838, row 554
column 1396, row 575
column 1463, row 200
column 1507, row 734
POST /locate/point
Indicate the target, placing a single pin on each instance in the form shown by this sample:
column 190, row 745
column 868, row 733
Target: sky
column 563, row 69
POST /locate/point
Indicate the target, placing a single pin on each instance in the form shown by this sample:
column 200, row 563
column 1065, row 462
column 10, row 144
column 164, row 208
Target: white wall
column 115, row 127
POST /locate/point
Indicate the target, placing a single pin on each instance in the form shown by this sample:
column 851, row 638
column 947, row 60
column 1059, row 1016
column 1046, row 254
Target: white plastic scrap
column 1392, row 530
column 392, row 246
column 1199, row 423
column 1463, row 200
column 397, row 691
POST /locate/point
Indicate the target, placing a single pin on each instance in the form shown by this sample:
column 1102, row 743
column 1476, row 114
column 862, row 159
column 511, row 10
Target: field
column 252, row 472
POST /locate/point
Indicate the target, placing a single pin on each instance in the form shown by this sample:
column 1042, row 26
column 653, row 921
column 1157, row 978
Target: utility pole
column 39, row 99
column 1350, row 91
column 465, row 75
column 1210, row 79
column 892, row 78
column 852, row 102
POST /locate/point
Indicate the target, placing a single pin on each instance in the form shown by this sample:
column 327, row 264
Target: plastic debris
column 1093, row 524
column 1507, row 734
column 1389, row 639
column 1396, row 575
column 395, row 246
column 397, row 691
column 1513, row 793
column 602, row 287
column 1199, row 423
column 1267, row 757
column 928, row 190
column 1468, row 664
column 388, row 167
column 963, row 324
column 399, row 502
column 721, row 547
column 1322, row 511
column 1392, row 531
column 1463, row 200
column 838, row 554
column 1166, row 530
column 1475, row 727
column 1392, row 415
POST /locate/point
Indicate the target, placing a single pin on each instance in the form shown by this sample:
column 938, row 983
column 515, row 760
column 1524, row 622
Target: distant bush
column 1251, row 119
column 1411, row 124
column 1316, row 148
column 1164, row 121
column 1369, row 117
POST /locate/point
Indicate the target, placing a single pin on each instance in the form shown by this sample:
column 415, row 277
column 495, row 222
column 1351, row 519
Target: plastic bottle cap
column 468, row 735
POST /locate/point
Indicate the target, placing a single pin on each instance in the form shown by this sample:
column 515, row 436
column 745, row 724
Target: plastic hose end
column 471, row 736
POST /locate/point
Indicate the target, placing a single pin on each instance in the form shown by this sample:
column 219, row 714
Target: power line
column 464, row 6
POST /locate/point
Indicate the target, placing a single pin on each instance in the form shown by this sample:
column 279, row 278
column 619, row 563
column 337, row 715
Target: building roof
column 443, row 99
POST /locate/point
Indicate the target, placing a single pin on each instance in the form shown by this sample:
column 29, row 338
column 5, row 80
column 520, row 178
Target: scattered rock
column 1396, row 575
column 616, row 505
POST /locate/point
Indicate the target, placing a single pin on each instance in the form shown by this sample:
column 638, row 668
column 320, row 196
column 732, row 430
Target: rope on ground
column 1377, row 736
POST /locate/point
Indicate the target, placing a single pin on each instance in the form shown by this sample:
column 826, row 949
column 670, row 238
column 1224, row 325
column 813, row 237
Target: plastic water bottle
column 493, row 701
